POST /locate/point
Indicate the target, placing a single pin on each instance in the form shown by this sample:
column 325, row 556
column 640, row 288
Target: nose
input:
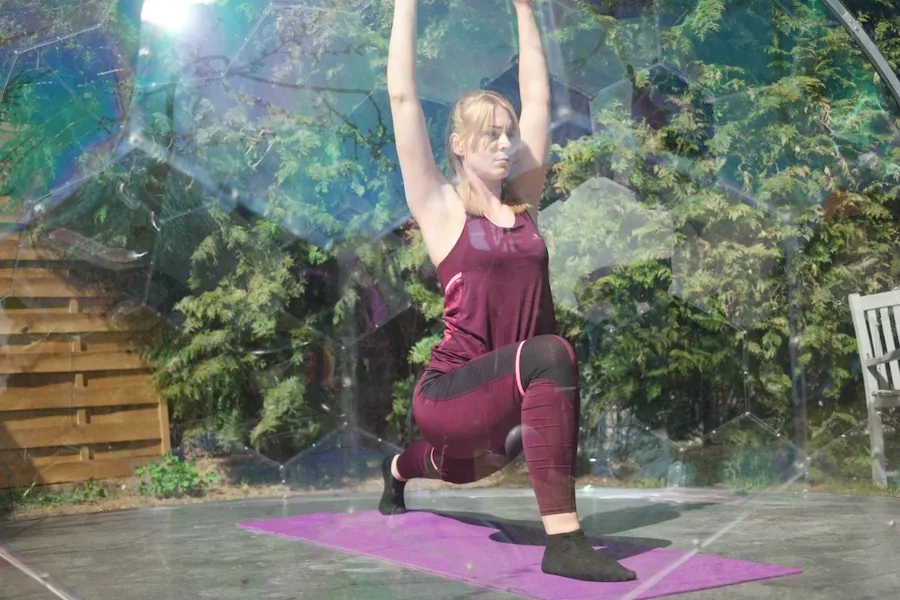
column 504, row 143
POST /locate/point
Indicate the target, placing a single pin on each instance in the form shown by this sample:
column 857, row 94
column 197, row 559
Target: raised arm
column 422, row 179
column 534, row 123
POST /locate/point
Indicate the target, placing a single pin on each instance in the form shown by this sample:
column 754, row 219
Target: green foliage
column 89, row 491
column 85, row 492
column 400, row 423
column 750, row 459
column 716, row 306
column 171, row 477
column 234, row 363
column 723, row 223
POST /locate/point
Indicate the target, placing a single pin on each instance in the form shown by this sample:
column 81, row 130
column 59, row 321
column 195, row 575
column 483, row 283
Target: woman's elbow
column 401, row 94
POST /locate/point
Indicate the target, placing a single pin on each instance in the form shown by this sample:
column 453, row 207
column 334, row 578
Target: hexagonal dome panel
column 66, row 83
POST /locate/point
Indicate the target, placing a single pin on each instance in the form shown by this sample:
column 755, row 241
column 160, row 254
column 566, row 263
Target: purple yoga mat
column 452, row 548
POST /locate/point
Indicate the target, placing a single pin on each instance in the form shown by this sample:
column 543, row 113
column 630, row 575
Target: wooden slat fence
column 75, row 397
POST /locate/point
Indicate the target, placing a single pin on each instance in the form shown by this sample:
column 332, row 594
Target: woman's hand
column 523, row 3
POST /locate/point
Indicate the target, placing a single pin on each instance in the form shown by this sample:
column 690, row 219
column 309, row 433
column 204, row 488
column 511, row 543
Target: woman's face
column 490, row 154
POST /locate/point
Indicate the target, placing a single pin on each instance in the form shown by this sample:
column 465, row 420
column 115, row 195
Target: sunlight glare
column 170, row 14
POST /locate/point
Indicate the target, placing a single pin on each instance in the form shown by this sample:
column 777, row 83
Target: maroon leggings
column 470, row 419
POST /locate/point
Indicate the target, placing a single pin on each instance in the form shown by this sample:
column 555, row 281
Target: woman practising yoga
column 500, row 368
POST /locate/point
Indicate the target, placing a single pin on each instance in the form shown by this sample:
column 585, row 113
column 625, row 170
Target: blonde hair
column 472, row 116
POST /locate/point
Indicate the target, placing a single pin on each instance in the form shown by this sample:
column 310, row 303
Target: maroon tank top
column 496, row 291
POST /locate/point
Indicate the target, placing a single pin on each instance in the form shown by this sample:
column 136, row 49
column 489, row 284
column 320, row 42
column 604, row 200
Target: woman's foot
column 392, row 498
column 571, row 555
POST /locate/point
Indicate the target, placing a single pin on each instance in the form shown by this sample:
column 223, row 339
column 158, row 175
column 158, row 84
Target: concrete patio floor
column 847, row 546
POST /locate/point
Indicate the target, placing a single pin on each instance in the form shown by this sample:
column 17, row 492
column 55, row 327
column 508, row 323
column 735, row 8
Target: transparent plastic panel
column 628, row 233
column 218, row 317
column 624, row 450
column 340, row 457
column 745, row 454
column 68, row 86
column 29, row 25
column 838, row 456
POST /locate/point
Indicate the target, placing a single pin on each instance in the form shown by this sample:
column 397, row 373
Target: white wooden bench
column 876, row 319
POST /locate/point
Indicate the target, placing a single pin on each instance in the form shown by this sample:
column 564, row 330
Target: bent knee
column 548, row 357
column 563, row 353
column 551, row 351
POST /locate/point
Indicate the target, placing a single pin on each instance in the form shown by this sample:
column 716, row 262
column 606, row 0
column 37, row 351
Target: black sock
column 571, row 555
column 392, row 497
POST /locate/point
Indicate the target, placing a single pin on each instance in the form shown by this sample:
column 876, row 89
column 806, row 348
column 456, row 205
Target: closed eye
column 495, row 133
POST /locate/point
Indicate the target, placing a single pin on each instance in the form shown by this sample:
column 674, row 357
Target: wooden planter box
column 75, row 397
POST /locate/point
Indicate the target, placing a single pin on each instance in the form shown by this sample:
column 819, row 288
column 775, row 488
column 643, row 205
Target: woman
column 500, row 367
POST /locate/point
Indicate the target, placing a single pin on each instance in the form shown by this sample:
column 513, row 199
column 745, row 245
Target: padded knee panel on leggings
column 550, row 420
column 547, row 357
